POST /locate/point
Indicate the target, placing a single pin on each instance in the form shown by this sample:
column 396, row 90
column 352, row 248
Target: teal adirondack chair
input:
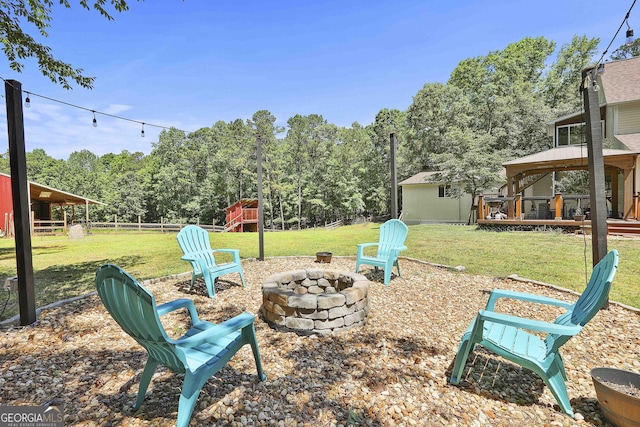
column 506, row 335
column 194, row 242
column 198, row 354
column 392, row 236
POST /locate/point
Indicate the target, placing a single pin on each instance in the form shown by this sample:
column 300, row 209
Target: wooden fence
column 162, row 226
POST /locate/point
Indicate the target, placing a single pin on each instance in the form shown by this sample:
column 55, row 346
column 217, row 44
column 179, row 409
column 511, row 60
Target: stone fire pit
column 315, row 300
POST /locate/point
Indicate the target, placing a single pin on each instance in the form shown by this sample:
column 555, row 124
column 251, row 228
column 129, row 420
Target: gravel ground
column 392, row 372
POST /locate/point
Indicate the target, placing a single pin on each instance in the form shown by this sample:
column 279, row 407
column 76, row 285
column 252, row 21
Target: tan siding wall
column 421, row 204
column 629, row 118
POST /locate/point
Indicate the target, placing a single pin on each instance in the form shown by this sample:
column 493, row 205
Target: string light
column 95, row 121
column 629, row 33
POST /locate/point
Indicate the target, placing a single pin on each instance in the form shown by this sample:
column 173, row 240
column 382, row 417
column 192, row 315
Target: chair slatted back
column 134, row 309
column 194, row 240
column 393, row 233
column 590, row 302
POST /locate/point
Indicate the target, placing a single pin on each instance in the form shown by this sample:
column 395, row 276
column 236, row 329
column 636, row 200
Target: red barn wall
column 6, row 203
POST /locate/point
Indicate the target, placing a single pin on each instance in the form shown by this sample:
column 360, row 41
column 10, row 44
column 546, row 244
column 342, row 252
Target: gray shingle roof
column 621, row 81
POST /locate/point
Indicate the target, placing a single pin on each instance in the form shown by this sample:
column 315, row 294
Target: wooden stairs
column 623, row 228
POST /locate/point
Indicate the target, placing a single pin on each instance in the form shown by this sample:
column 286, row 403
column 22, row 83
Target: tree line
column 493, row 108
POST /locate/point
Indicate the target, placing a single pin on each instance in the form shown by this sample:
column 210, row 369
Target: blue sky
column 191, row 63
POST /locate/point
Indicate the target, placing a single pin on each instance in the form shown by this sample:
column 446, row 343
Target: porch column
column 628, row 207
column 481, row 212
column 510, row 184
column 615, row 188
column 519, row 206
column 558, row 207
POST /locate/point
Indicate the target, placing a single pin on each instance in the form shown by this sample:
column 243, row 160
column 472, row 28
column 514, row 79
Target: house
column 533, row 178
column 42, row 200
column 427, row 201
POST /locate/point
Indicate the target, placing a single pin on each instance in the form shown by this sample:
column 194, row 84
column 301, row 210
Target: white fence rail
column 333, row 225
column 149, row 226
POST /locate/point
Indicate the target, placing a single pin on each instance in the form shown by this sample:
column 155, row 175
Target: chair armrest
column 364, row 245
column 361, row 247
column 235, row 252
column 217, row 331
column 529, row 324
column 190, row 257
column 523, row 296
column 168, row 307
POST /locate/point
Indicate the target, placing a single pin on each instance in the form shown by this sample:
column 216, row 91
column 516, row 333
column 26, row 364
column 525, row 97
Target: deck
column 614, row 226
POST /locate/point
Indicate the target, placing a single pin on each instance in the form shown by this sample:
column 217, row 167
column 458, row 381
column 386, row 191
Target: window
column 444, row 191
column 573, row 134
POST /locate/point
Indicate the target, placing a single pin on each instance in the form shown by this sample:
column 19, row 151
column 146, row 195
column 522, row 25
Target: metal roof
column 53, row 195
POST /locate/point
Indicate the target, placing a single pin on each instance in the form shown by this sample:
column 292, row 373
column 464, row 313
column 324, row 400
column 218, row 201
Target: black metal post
column 394, row 178
column 597, row 192
column 260, row 206
column 20, row 196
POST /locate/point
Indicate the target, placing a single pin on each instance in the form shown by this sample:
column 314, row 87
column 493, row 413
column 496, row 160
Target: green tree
column 21, row 22
column 562, row 81
column 436, row 109
column 263, row 124
column 627, row 50
column 468, row 162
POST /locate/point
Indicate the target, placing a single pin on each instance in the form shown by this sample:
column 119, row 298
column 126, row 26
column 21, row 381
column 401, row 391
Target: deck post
column 394, row 179
column 558, row 199
column 636, row 204
column 260, row 202
column 519, row 206
column 481, row 213
column 597, row 192
column 20, row 199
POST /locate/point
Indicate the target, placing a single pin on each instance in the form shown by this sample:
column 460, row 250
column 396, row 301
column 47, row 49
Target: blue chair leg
column 387, row 275
column 249, row 335
column 242, row 278
column 147, row 373
column 555, row 381
column 190, row 391
column 210, row 282
column 461, row 358
column 193, row 280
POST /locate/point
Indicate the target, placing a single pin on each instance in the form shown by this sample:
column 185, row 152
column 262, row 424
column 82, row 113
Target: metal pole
column 394, row 178
column 260, row 207
column 597, row 192
column 20, row 196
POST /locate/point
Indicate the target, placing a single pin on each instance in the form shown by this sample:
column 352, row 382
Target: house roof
column 621, row 81
column 52, row 195
column 632, row 141
column 419, row 178
column 567, row 152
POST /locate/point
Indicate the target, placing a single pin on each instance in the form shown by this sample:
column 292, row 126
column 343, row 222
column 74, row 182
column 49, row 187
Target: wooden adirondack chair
column 194, row 242
column 199, row 354
column 392, row 236
column 506, row 335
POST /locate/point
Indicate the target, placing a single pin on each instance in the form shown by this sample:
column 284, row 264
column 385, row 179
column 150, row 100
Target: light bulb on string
column 629, row 31
column 95, row 122
column 27, row 101
column 142, row 131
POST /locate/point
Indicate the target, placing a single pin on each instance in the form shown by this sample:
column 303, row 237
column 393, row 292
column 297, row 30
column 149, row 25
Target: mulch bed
column 392, row 372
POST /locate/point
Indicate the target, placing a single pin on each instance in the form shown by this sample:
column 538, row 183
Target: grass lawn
column 65, row 268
